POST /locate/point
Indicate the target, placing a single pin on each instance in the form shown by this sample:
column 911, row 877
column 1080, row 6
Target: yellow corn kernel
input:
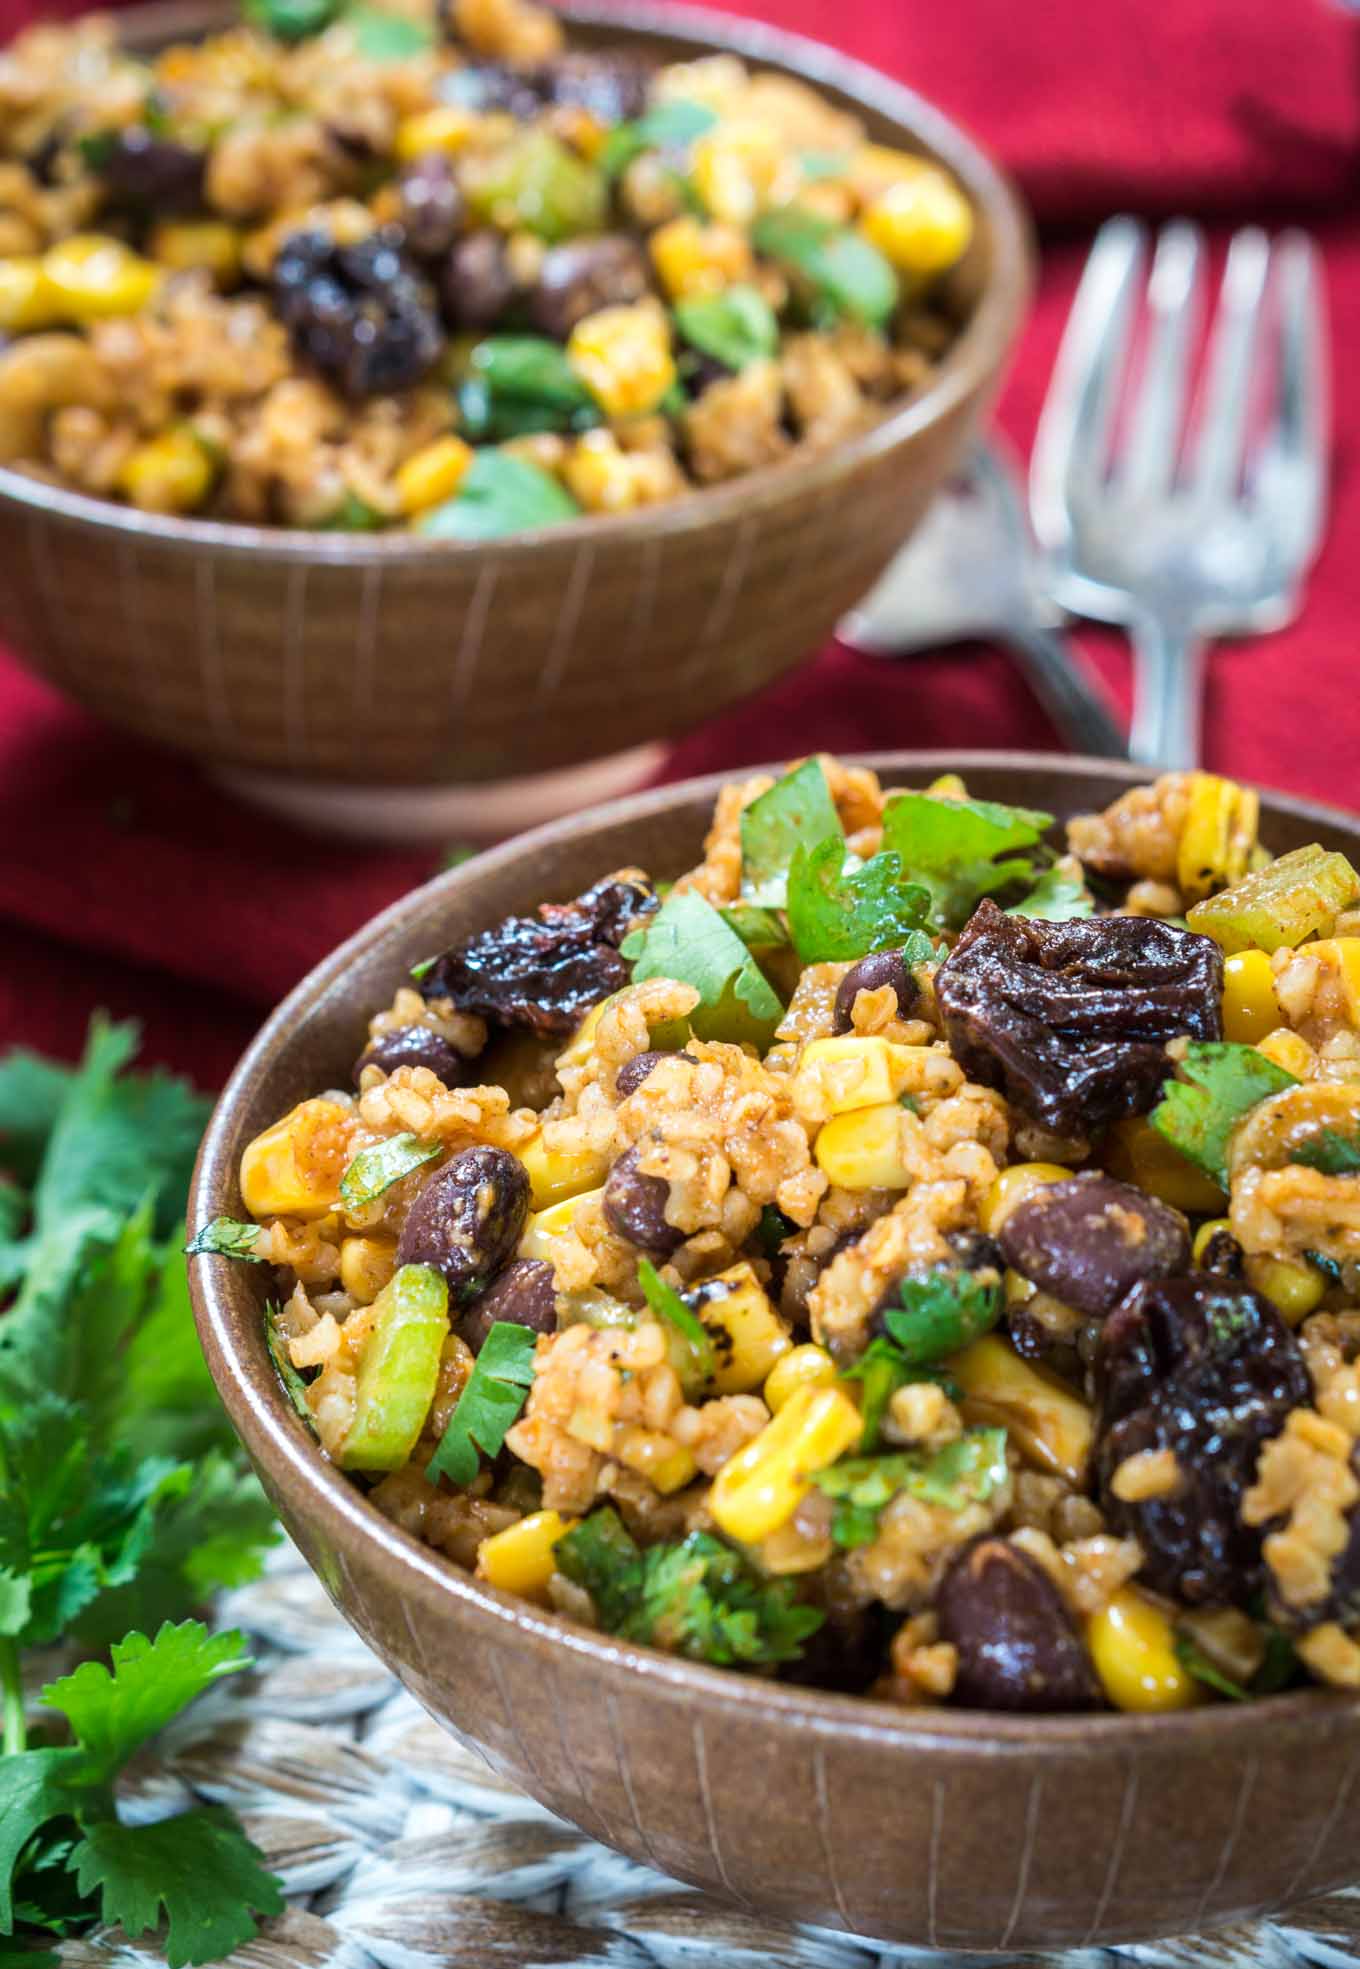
column 520, row 1558
column 445, row 128
column 1136, row 1152
column 1289, row 1050
column 601, row 477
column 922, row 225
column 863, row 1150
column 366, row 1266
column 91, row 276
column 802, row 1367
column 874, row 168
column 1250, row 1007
column 667, row 1465
column 26, row 298
column 1218, row 836
column 1293, row 1290
column 739, row 168
column 1340, row 958
column 1048, row 1422
column 839, row 1076
column 761, row 1487
column 1211, row 1228
column 206, row 245
column 432, row 474
column 546, row 1226
column 693, row 258
column 294, row 1168
column 1133, row 1647
column 623, row 356
column 170, row 474
column 747, row 1333
column 557, row 1175
column 1013, row 1185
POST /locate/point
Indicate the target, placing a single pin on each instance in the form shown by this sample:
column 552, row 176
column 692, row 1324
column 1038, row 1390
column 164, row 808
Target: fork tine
column 1074, row 431
column 1237, row 330
column 1289, row 476
column 1175, row 300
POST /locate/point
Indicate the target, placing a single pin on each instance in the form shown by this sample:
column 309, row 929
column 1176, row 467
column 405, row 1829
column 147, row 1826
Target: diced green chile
column 398, row 1371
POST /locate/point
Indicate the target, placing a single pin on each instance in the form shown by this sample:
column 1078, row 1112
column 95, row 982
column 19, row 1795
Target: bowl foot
column 421, row 815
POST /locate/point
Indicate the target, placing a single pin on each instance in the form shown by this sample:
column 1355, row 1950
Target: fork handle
column 1168, row 692
column 1075, row 702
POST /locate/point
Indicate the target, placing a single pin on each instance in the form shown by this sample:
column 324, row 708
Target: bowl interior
column 310, row 1044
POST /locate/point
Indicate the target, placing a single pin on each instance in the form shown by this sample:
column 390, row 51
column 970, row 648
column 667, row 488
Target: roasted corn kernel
column 445, row 128
column 603, row 478
column 863, row 1150
column 747, row 1333
column 26, row 299
column 557, row 1175
column 1133, row 1646
column 520, row 1558
column 840, row 1076
column 172, row 473
column 432, row 474
column 294, row 1168
column 1140, row 1155
column 1250, row 1007
column 740, row 167
column 206, row 245
column 90, row 276
column 922, row 224
column 761, row 1487
column 366, row 1265
column 1289, row 1050
column 623, row 356
column 547, row 1225
column 693, row 258
column 802, row 1367
column 1047, row 1421
column 1012, row 1186
column 1293, row 1290
column 1218, row 836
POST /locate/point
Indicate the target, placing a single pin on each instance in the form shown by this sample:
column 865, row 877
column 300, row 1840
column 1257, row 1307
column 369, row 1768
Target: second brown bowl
column 947, row 1828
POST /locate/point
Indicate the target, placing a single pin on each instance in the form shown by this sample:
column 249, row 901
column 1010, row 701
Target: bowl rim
column 971, row 357
column 295, row 1465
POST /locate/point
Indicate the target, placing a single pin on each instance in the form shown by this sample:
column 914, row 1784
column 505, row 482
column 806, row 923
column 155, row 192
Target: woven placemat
column 399, row 1849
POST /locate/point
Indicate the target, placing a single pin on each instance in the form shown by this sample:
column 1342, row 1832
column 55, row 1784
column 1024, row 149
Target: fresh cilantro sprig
column 697, row 1598
column 966, row 1471
column 963, row 850
column 796, row 812
column 198, row 1866
column 1221, row 1083
column 938, row 1313
column 688, row 941
column 840, row 912
column 490, row 1402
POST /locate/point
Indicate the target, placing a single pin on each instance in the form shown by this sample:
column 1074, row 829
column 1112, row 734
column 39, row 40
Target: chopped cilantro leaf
column 1222, row 1082
column 695, row 1362
column 963, row 850
column 670, row 126
column 881, row 1370
column 490, row 1402
column 837, row 915
column 1059, row 895
column 759, row 929
column 227, row 1237
column 1195, row 1662
column 964, row 1472
column 375, row 1170
column 697, row 1598
column 940, row 1312
column 796, row 812
column 687, row 940
column 384, row 37
column 293, row 1384
column 1332, row 1153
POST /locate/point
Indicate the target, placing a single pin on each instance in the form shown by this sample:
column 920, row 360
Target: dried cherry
column 1206, row 1368
column 545, row 971
column 361, row 313
column 1071, row 1020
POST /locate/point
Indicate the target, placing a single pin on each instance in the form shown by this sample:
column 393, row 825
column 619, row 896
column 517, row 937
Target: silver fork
column 1180, row 536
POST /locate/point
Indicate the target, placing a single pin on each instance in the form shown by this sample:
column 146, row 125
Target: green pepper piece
column 536, row 182
column 1280, row 906
column 398, row 1370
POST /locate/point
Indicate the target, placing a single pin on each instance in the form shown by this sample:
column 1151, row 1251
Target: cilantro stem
column 16, row 1728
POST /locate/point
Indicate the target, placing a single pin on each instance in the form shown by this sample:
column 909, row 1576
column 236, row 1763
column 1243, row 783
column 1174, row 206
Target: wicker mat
column 401, row 1850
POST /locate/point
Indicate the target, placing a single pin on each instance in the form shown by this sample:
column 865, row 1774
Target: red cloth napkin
column 128, row 881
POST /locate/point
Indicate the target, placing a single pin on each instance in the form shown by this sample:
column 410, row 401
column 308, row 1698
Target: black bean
column 1090, row 1240
column 584, row 275
column 417, row 1046
column 882, row 967
column 150, row 173
column 431, row 206
column 635, row 1207
column 525, row 1294
column 1017, row 1645
column 476, row 285
column 632, row 1073
column 468, row 1218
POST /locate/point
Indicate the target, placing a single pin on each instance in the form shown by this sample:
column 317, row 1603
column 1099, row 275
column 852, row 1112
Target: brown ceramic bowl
column 400, row 660
column 966, row 1831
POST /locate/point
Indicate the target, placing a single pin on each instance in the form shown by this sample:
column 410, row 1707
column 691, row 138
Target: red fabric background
column 126, row 881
